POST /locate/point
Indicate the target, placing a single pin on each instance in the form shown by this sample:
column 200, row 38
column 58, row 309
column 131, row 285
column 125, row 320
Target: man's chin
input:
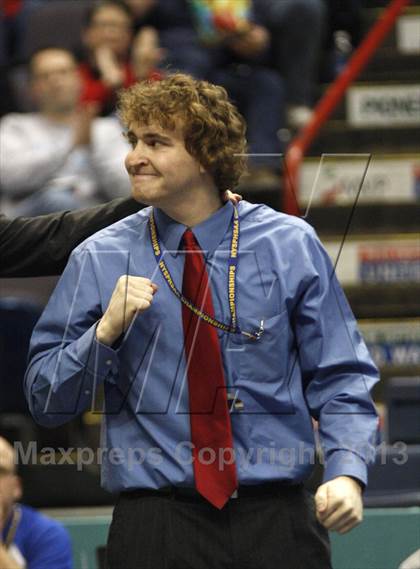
column 145, row 198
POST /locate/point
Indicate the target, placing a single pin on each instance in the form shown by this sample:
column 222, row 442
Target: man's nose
column 137, row 157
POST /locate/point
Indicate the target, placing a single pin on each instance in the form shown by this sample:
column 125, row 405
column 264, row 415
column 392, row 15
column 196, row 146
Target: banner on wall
column 408, row 34
column 393, row 342
column 336, row 179
column 389, row 260
column 394, row 262
column 383, row 106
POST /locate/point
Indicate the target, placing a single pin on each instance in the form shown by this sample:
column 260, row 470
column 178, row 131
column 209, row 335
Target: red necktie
column 209, row 414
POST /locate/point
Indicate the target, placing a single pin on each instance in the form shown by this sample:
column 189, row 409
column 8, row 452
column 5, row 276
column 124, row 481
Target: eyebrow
column 150, row 134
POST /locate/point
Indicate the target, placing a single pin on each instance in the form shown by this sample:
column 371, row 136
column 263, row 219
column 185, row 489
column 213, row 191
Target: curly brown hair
column 213, row 129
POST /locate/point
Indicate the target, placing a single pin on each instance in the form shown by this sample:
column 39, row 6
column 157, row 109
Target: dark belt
column 190, row 494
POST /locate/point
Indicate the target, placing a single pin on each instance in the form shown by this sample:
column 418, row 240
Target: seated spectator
column 28, row 539
column 63, row 156
column 297, row 28
column 107, row 66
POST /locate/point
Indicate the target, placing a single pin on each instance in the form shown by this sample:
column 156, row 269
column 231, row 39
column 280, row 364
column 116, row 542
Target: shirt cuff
column 99, row 360
column 345, row 463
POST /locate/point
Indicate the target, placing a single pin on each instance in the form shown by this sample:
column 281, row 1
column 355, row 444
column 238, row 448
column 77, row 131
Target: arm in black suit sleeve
column 40, row 246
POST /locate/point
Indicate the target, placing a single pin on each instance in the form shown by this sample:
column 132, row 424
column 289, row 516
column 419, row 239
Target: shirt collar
column 208, row 233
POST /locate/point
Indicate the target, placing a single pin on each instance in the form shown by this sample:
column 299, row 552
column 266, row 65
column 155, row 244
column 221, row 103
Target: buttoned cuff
column 345, row 463
column 99, row 360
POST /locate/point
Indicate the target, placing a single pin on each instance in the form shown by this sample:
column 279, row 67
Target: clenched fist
column 339, row 505
column 131, row 296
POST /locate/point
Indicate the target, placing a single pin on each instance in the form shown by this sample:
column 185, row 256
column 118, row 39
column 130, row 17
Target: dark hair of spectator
column 97, row 6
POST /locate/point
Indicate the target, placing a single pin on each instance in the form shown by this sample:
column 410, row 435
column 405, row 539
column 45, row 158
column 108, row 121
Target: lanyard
column 232, row 270
column 17, row 514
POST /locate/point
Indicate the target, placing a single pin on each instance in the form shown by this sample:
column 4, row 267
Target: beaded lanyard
column 232, row 270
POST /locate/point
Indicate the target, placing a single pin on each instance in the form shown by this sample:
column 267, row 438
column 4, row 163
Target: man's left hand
column 339, row 505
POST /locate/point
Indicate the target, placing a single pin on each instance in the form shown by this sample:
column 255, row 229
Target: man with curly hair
column 218, row 333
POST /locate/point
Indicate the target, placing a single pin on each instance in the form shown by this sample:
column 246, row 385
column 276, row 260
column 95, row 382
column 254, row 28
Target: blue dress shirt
column 310, row 362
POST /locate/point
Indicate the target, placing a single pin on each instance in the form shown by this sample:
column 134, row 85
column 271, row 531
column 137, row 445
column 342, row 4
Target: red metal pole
column 331, row 99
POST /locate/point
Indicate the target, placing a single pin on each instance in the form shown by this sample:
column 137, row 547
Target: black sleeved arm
column 40, row 246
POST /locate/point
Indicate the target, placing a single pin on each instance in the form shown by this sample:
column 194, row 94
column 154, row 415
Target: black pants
column 271, row 531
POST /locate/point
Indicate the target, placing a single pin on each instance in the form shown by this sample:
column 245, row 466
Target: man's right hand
column 131, row 296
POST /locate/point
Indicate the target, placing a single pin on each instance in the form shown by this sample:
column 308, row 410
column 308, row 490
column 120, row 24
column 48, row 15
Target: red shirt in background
column 11, row 7
column 95, row 91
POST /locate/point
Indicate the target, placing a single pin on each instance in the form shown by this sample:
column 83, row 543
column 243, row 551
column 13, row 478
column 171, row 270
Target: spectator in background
column 62, row 157
column 28, row 539
column 112, row 60
column 297, row 28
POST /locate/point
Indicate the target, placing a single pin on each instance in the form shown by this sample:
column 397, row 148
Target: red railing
column 334, row 94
